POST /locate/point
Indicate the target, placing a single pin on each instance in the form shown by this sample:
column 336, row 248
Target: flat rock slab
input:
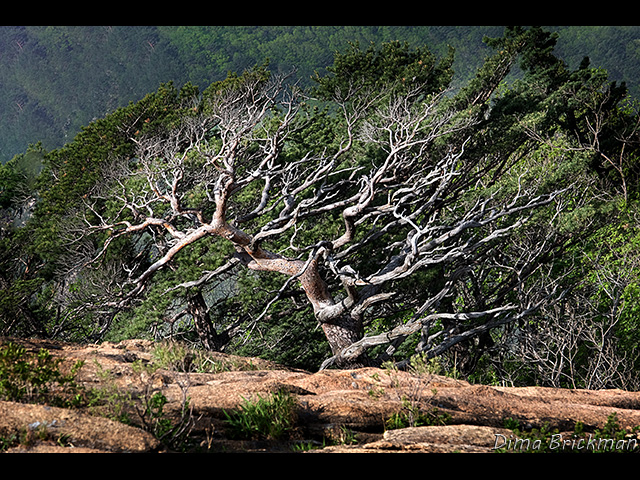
column 54, row 428
column 330, row 403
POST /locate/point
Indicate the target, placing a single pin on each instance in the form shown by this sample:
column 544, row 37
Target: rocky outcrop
column 337, row 410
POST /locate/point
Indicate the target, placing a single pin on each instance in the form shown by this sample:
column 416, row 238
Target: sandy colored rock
column 348, row 407
column 465, row 437
column 72, row 428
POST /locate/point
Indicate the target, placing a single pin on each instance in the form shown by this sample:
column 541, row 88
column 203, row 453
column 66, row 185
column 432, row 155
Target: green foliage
column 273, row 417
column 110, row 66
column 70, row 172
column 278, row 336
column 36, row 377
column 178, row 357
column 17, row 185
column 145, row 409
column 393, row 63
column 33, row 255
column 413, row 416
column 109, row 400
column 156, row 420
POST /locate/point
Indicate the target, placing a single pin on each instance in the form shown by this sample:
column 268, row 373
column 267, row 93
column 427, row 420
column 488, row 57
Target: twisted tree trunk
column 340, row 328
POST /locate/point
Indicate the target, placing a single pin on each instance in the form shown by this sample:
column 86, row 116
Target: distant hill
column 56, row 79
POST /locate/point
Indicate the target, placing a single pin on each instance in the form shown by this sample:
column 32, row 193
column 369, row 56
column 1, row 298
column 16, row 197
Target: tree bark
column 197, row 308
column 340, row 328
column 341, row 333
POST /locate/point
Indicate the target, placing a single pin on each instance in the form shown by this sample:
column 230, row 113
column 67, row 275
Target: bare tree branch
column 427, row 204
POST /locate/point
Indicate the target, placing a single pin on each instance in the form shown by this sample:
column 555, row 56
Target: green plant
column 109, row 400
column 412, row 416
column 177, row 357
column 145, row 409
column 308, row 445
column 375, row 392
column 612, row 428
column 29, row 377
column 31, row 434
column 419, row 364
column 8, row 442
column 158, row 423
column 619, row 436
column 263, row 418
column 346, row 436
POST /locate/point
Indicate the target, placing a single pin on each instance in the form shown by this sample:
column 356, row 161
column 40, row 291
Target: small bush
column 265, row 418
column 177, row 357
column 173, row 432
column 36, row 378
column 412, row 416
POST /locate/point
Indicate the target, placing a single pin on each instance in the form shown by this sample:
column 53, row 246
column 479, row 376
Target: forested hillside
column 390, row 202
column 56, row 79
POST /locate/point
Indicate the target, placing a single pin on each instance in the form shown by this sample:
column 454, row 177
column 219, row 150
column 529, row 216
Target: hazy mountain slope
column 56, row 79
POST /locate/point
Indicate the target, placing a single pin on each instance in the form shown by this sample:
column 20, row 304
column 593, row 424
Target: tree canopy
column 376, row 216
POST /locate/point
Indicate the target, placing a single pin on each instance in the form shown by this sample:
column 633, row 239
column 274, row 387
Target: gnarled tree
column 411, row 220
